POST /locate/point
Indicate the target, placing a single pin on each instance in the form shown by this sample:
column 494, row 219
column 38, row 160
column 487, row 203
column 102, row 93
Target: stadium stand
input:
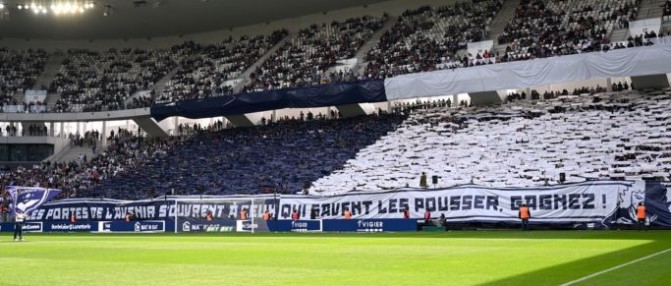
column 542, row 29
column 244, row 160
column 591, row 135
column 209, row 70
column 18, row 71
column 603, row 136
column 213, row 160
column 307, row 58
column 424, row 39
column 35, row 130
column 104, row 81
column 202, row 70
column 224, row 161
column 622, row 134
column 81, row 174
column 428, row 38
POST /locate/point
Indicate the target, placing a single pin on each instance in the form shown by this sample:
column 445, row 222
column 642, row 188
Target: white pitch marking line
column 615, row 268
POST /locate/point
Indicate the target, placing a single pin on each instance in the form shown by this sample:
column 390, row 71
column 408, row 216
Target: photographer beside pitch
column 19, row 219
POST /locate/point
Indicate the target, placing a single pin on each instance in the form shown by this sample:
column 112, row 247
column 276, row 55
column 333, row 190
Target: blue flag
column 28, row 199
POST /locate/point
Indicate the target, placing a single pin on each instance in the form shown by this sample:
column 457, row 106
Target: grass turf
column 453, row 258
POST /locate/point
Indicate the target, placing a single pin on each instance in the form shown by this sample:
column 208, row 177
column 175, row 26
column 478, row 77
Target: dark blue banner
column 295, row 226
column 63, row 226
column 370, row 225
column 27, row 227
column 112, row 210
column 133, row 226
column 201, row 225
column 66, row 226
column 343, row 225
column 655, row 195
column 103, row 210
column 320, row 96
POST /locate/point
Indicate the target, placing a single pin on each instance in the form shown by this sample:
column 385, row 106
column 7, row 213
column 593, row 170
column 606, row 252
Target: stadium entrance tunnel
column 657, row 81
column 487, row 97
column 150, row 126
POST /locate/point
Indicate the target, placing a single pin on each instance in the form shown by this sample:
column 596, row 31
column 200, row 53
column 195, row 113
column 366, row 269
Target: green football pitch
column 438, row 258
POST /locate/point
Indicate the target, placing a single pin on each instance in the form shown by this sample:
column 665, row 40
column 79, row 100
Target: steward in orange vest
column 348, row 214
column 640, row 215
column 294, row 215
column 209, row 216
column 266, row 215
column 243, row 214
column 73, row 218
column 406, row 213
column 524, row 215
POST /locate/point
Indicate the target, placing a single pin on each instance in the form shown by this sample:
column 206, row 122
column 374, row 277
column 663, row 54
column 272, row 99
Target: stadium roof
column 153, row 18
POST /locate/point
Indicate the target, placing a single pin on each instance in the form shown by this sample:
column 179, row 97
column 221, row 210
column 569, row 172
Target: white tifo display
column 226, row 214
column 501, row 147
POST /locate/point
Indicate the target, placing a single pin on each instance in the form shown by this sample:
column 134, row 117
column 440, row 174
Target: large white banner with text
column 594, row 202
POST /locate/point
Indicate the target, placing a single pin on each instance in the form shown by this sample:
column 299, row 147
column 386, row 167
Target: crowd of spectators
column 10, row 130
column 604, row 136
column 424, row 39
column 90, row 138
column 209, row 70
column 306, row 59
column 428, row 38
column 641, row 40
column 542, row 29
column 18, row 71
column 29, row 130
column 35, row 130
column 104, row 81
column 345, row 75
column 78, row 177
column 7, row 100
column 648, row 38
column 284, row 155
column 549, row 94
column 408, row 107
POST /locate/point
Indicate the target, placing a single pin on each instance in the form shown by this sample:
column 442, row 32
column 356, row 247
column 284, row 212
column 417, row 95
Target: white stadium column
column 528, row 93
column 104, row 135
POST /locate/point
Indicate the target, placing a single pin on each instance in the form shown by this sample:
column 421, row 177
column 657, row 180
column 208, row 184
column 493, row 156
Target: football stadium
column 335, row 142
